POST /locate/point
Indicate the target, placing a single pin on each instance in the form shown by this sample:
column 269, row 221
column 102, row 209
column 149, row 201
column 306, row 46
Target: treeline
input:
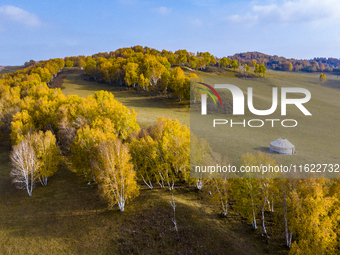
column 147, row 69
column 281, row 63
column 42, row 123
column 144, row 68
column 98, row 133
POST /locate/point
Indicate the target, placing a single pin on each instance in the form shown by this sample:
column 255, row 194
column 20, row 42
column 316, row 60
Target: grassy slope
column 9, row 69
column 68, row 217
column 311, row 136
column 315, row 136
column 148, row 108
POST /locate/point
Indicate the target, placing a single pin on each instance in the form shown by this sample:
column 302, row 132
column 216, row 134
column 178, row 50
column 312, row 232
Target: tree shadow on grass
column 263, row 149
column 334, row 84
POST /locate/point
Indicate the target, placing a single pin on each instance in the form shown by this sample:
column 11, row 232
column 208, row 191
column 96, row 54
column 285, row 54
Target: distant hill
column 281, row 63
column 9, row 69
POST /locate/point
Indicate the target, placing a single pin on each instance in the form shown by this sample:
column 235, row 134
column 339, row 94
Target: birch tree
column 178, row 83
column 83, row 150
column 256, row 192
column 173, row 205
column 47, row 154
column 143, row 151
column 313, row 223
column 173, row 150
column 245, row 191
column 22, row 124
column 24, row 166
column 288, row 203
column 220, row 190
column 322, row 77
column 131, row 74
column 200, row 154
column 117, row 179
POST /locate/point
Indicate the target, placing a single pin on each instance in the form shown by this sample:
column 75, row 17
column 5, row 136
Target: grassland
column 315, row 137
column 9, row 69
column 68, row 216
column 148, row 107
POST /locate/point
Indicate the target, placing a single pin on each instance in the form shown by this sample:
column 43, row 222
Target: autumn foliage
column 105, row 144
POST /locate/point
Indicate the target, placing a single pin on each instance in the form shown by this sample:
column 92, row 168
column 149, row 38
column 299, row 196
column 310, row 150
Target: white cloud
column 246, row 19
column 322, row 12
column 14, row 14
column 196, row 22
column 162, row 10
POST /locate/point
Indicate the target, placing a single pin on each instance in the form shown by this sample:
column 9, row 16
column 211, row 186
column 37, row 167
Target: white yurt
column 282, row 146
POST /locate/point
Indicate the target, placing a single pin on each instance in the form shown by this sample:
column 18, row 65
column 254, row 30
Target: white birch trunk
column 148, row 184
column 171, row 185
column 254, row 221
column 225, row 208
column 254, row 216
column 173, row 205
column 263, row 224
column 199, row 184
column 25, row 165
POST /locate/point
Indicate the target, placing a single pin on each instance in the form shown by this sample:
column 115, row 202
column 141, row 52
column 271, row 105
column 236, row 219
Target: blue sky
column 48, row 29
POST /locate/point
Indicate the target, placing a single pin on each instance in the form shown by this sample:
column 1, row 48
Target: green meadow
column 315, row 137
column 148, row 107
column 9, row 69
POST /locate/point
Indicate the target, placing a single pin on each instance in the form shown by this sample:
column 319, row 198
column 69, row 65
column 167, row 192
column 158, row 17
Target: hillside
column 288, row 64
column 112, row 117
column 68, row 217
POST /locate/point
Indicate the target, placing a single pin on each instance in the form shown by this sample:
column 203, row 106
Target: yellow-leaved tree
column 220, row 191
column 173, row 150
column 22, row 124
column 144, row 153
column 131, row 74
column 123, row 119
column 36, row 157
column 219, row 183
column 83, row 150
column 47, row 154
column 162, row 154
column 179, row 84
column 313, row 223
column 117, row 179
column 322, row 77
column 200, row 155
column 254, row 194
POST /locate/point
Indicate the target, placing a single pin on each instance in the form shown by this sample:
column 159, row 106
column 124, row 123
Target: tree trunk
column 263, row 224
column 161, row 183
column 148, row 184
column 254, row 220
column 199, row 184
